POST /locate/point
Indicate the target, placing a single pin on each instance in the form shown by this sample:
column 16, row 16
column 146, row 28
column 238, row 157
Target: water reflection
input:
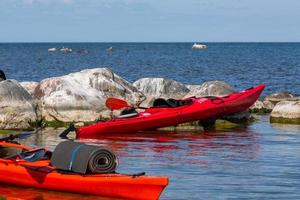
column 291, row 128
column 22, row 193
column 240, row 142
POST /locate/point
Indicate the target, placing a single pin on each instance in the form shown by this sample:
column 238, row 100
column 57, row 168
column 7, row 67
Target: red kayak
column 192, row 109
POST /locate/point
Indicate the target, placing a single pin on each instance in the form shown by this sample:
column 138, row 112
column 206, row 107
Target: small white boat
column 66, row 50
column 52, row 49
column 110, row 49
column 199, row 46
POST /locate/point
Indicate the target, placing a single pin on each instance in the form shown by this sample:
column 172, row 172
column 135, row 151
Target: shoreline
column 79, row 97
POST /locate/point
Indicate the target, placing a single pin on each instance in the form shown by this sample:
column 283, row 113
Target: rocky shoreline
column 80, row 97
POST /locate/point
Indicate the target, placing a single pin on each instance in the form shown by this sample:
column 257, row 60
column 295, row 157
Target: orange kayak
column 40, row 174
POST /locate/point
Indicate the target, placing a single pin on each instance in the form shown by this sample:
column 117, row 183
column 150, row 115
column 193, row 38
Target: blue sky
column 149, row 20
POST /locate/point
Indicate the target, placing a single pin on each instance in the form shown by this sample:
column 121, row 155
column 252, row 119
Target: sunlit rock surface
column 29, row 86
column 210, row 88
column 154, row 88
column 81, row 96
column 18, row 110
column 286, row 112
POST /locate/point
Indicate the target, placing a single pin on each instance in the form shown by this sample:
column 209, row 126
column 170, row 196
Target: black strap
column 170, row 103
column 134, row 175
column 215, row 100
column 67, row 131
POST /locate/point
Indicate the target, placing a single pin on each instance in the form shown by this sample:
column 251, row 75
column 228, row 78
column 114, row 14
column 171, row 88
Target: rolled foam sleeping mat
column 82, row 158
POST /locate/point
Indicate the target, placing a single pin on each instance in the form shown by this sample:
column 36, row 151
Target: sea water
column 241, row 65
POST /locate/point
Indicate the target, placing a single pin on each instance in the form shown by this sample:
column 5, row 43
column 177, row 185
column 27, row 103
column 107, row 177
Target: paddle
column 117, row 104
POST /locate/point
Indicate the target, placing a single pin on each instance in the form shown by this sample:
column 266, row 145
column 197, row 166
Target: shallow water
column 261, row 161
column 242, row 65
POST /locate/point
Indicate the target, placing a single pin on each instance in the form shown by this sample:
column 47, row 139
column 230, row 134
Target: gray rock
column 257, row 107
column 268, row 105
column 210, row 88
column 81, row 96
column 18, row 110
column 279, row 96
column 160, row 88
column 286, row 112
column 191, row 87
column 261, row 107
column 271, row 100
column 29, row 86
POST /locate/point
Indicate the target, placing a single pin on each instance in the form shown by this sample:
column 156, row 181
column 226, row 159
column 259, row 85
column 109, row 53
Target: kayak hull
column 153, row 118
column 41, row 175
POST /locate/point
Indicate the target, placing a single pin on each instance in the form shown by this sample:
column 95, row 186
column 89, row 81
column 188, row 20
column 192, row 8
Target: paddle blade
column 115, row 104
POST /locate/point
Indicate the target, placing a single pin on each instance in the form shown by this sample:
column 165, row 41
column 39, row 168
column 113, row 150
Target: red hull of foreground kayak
column 153, row 118
column 40, row 174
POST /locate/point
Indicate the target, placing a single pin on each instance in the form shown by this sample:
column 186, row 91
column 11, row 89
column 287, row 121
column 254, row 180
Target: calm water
column 261, row 161
column 240, row 64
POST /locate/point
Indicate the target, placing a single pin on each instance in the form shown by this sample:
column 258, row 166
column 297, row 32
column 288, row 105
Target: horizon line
column 10, row 42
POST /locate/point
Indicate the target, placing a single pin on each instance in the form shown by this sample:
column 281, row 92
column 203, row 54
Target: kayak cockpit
column 12, row 151
column 8, row 151
column 171, row 103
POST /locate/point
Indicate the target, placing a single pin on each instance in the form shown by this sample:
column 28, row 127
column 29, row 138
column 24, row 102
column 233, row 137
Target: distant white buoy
column 66, row 50
column 52, row 49
column 199, row 46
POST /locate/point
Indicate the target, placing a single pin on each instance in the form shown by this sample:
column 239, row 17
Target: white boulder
column 81, row 96
column 286, row 112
